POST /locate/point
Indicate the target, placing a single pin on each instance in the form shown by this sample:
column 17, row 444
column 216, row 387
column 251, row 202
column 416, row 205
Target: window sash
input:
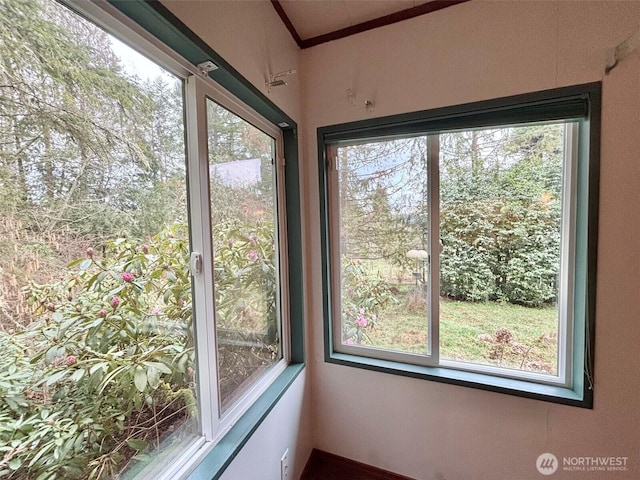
column 433, row 244
column 566, row 293
column 215, row 424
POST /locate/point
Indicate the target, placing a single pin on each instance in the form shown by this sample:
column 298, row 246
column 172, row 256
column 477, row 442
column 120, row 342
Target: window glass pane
column 500, row 222
column 246, row 271
column 383, row 220
column 95, row 292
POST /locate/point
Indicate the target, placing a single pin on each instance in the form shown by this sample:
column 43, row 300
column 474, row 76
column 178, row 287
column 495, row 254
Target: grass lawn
column 468, row 333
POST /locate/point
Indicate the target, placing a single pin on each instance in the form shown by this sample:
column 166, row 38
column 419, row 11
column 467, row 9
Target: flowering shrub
column 107, row 370
column 109, row 363
column 245, row 276
column 356, row 324
column 364, row 294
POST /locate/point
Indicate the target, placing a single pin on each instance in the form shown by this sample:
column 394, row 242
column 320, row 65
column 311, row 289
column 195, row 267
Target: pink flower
column 361, row 311
column 230, row 242
column 145, row 248
column 90, row 252
column 51, row 307
column 102, row 313
column 348, row 341
column 156, row 311
column 71, row 359
column 361, row 321
column 115, row 301
column 127, row 277
column 253, row 255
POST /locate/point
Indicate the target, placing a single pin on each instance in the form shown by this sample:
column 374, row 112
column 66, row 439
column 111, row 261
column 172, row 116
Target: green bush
column 109, row 363
column 245, row 268
column 500, row 249
column 364, row 295
column 107, row 370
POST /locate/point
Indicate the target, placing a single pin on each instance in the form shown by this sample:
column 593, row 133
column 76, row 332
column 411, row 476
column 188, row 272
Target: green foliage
column 382, row 188
column 87, row 150
column 108, row 366
column 497, row 249
column 86, row 145
column 364, row 294
column 232, row 138
column 245, row 277
column 500, row 211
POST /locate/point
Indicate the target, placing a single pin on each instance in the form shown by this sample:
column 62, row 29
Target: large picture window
column 456, row 240
column 143, row 275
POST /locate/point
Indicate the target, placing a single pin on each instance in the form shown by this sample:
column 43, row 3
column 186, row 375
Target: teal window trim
column 216, row 462
column 578, row 102
column 166, row 27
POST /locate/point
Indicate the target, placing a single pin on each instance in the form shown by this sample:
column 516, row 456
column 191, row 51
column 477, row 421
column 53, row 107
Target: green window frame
column 578, row 104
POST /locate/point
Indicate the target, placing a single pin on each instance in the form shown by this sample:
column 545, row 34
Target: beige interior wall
column 250, row 36
column 286, row 427
column 476, row 51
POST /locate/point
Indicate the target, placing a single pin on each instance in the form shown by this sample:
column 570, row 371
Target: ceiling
column 312, row 22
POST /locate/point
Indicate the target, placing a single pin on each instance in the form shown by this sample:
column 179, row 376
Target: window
column 144, row 279
column 237, row 204
column 460, row 243
column 244, row 222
